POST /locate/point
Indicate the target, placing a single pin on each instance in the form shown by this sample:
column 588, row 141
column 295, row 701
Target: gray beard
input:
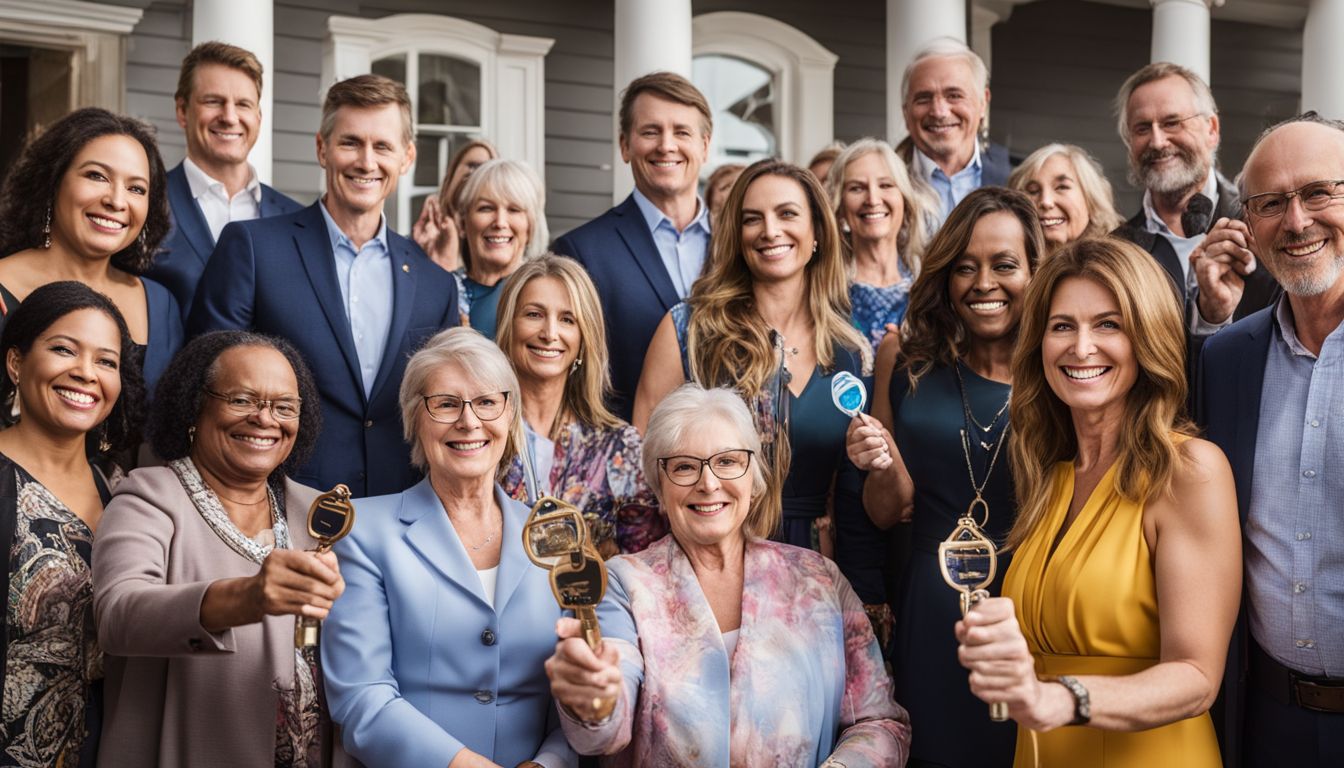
column 1179, row 179
column 1308, row 283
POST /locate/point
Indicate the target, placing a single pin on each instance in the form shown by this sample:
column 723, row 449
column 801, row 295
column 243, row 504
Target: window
column 465, row 81
column 741, row 96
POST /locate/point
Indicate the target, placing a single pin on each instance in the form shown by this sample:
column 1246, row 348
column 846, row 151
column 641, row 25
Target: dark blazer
column 995, row 163
column 183, row 253
column 633, row 285
column 278, row 276
column 1227, row 399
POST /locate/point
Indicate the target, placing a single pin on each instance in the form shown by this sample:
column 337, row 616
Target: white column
column 912, row 24
column 1181, row 33
column 651, row 36
column 1323, row 58
column 247, row 24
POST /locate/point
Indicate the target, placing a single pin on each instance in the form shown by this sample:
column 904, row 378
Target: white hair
column 947, row 47
column 517, row 183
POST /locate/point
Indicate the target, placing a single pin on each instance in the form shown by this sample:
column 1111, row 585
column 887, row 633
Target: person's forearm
column 888, row 495
column 228, row 603
column 1161, row 694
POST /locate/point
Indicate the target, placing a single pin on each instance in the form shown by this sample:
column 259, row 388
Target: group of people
column 191, row 358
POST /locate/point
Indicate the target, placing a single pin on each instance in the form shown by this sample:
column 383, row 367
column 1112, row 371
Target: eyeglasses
column 447, row 409
column 1171, row 126
column 726, row 465
column 1316, row 196
column 282, row 409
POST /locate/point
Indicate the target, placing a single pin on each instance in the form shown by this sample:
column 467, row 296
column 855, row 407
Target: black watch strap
column 1082, row 702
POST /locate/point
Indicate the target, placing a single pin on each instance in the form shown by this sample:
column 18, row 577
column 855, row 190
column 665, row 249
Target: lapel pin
column 405, row 267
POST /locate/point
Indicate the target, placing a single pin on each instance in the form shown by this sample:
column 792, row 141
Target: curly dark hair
column 180, row 396
column 32, row 182
column 43, row 307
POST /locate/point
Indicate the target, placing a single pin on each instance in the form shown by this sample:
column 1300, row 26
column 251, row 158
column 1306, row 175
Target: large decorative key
column 329, row 519
column 968, row 561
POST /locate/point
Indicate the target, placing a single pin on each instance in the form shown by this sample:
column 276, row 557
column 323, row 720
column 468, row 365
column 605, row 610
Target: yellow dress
column 1091, row 609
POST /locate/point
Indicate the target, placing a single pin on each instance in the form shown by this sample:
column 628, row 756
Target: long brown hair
column 1043, row 432
column 932, row 334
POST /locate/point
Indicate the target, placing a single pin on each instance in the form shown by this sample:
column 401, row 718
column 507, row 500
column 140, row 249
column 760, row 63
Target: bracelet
column 1082, row 702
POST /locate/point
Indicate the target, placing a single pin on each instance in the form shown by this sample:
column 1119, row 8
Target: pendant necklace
column 970, row 416
column 997, row 445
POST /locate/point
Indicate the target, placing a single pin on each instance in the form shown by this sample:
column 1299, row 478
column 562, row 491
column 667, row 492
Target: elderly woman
column 503, row 222
column 199, row 568
column 87, row 200
column 71, row 392
column 884, row 224
column 1070, row 191
column 436, row 230
column 434, row 655
column 1122, row 594
column 721, row 647
column 551, row 327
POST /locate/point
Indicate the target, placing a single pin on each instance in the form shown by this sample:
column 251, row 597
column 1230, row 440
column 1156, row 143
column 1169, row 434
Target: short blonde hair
column 517, row 183
column 1101, row 214
column 487, row 368
column 686, row 409
column 918, row 202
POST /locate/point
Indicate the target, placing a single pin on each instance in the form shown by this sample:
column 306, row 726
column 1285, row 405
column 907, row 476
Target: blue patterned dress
column 873, row 307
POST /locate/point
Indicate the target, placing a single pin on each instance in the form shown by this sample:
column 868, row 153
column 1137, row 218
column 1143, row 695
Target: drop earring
column 191, row 434
column 46, row 229
column 103, row 445
column 573, row 369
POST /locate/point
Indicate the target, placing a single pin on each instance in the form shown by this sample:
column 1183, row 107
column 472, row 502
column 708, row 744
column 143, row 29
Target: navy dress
column 950, row 726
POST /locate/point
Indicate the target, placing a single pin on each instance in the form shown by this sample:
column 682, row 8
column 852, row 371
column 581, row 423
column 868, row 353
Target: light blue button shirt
column 365, row 275
column 683, row 253
column 950, row 190
column 1295, row 524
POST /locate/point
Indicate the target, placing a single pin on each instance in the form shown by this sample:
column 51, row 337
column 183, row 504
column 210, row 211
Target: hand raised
column 580, row 678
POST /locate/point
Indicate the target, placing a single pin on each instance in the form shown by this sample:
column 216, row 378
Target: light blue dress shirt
column 952, row 190
column 365, row 275
column 683, row 253
column 1295, row 524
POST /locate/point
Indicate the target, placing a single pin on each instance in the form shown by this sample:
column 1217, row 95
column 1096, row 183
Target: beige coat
column 177, row 695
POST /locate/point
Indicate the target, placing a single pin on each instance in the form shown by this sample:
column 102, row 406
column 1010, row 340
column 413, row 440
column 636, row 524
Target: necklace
column 970, row 416
column 488, row 539
column 235, row 501
column 997, row 445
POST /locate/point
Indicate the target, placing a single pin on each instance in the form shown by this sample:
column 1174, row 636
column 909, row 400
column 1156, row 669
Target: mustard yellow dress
column 1091, row 609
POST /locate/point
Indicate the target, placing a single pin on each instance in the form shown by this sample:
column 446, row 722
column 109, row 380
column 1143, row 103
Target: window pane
column 741, row 96
column 393, row 67
column 449, row 91
column 428, row 159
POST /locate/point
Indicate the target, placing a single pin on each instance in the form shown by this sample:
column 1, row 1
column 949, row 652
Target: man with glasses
column 1272, row 397
column 1189, row 220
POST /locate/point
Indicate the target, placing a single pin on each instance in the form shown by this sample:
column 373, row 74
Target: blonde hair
column 1102, row 217
column 1042, row 429
column 486, row 367
column 586, row 388
column 686, row 409
column 517, row 183
column 917, row 201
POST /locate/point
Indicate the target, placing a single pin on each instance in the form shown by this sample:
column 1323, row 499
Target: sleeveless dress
column 1091, row 609
column 950, row 727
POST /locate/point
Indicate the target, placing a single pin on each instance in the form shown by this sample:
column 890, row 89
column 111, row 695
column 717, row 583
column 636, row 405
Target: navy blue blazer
column 1227, row 405
column 995, row 166
column 183, row 253
column 633, row 285
column 278, row 276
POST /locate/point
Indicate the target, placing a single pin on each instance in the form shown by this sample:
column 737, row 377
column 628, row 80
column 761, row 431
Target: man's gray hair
column 945, row 47
column 1306, row 117
column 1157, row 71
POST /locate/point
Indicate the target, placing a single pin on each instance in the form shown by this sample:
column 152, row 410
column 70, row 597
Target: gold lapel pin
column 405, row 267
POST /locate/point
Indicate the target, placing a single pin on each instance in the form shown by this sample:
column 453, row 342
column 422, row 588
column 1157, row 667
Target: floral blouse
column 598, row 471
column 806, row 681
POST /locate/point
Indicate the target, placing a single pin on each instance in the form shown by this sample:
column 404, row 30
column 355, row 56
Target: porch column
column 1181, row 33
column 912, row 24
column 651, row 36
column 247, row 24
column 1323, row 58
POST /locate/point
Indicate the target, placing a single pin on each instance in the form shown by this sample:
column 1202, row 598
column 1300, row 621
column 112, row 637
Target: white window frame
column 804, row 72
column 513, row 81
column 95, row 33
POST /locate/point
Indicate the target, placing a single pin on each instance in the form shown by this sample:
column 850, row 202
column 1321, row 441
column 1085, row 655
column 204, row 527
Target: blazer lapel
column 403, row 301
column 1250, row 388
column 268, row 206
column 513, row 562
column 187, row 214
column 630, row 225
column 431, row 534
column 314, row 247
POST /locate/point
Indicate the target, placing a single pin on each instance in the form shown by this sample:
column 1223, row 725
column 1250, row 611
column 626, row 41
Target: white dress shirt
column 214, row 200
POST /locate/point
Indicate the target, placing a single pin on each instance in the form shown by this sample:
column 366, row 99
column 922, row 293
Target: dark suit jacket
column 182, row 256
column 995, row 163
column 278, row 276
column 633, row 285
column 1230, row 385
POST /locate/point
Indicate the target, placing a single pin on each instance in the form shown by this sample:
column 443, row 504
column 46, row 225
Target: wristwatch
column 1082, row 702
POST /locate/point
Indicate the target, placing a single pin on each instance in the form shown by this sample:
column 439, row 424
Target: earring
column 191, row 434
column 46, row 229
column 103, row 445
column 815, row 246
column 578, row 361
column 14, row 405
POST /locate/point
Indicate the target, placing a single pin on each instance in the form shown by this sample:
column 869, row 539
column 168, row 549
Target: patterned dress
column 598, row 471
column 873, row 307
column 53, row 665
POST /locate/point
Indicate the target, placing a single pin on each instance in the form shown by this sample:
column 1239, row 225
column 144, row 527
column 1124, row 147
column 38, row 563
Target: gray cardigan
column 177, row 695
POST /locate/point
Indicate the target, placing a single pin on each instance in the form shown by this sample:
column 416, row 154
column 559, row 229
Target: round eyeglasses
column 447, row 409
column 1316, row 196
column 726, row 465
column 282, row 409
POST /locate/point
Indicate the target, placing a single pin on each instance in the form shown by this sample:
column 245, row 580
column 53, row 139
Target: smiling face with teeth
column 943, row 109
column 871, row 202
column 1088, row 356
column 666, row 145
column 1175, row 162
column 778, row 239
column 235, row 450
column 497, row 231
column 712, row 510
column 70, row 377
column 221, row 117
column 470, row 449
column 546, row 335
column 1059, row 199
column 986, row 284
column 364, row 155
column 103, row 199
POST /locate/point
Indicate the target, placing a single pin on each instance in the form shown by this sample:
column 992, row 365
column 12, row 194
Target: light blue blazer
column 417, row 664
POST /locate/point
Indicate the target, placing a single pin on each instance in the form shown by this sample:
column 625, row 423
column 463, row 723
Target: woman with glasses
column 434, row 655
column 721, row 647
column 201, row 566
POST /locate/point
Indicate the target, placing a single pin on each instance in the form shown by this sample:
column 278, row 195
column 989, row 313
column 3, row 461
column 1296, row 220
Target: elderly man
column 219, row 108
column 1272, row 396
column 645, row 253
column 945, row 101
column 1169, row 123
column 355, row 297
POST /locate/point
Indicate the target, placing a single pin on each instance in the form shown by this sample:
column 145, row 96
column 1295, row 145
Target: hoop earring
column 46, row 229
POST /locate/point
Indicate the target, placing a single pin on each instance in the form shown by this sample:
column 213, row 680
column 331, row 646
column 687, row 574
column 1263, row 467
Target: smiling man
column 356, row 298
column 945, row 101
column 645, row 253
column 219, row 109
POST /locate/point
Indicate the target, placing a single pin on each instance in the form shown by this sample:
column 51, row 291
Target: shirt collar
column 338, row 237
column 1283, row 316
column 1154, row 223
column 654, row 217
column 200, row 182
column 926, row 166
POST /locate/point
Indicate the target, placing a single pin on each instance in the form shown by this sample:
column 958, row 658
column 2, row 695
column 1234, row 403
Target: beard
column 1189, row 171
column 1312, row 279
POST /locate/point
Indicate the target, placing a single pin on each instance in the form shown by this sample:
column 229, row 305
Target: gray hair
column 1100, row 199
column 947, row 47
column 1306, row 117
column 1159, row 70
column 917, row 198
column 687, row 409
column 517, row 183
column 486, row 367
